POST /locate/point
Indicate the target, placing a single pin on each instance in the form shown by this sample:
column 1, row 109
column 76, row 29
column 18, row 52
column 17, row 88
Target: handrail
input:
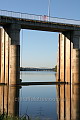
column 38, row 17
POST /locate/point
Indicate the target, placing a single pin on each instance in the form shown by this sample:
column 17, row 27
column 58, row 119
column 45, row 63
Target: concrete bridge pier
column 76, row 57
column 68, row 70
column 13, row 32
column 10, row 54
column 2, row 56
column 4, row 53
column 64, row 52
column 69, row 57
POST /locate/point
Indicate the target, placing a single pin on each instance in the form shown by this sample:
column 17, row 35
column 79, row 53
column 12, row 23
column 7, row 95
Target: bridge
column 68, row 49
column 38, row 22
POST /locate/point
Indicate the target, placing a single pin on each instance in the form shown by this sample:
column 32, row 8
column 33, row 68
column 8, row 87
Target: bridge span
column 38, row 22
column 68, row 65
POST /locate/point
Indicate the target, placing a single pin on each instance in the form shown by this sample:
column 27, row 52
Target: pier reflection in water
column 68, row 105
column 63, row 101
column 8, row 103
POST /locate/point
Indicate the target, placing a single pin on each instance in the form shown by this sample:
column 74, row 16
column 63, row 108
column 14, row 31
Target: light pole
column 49, row 9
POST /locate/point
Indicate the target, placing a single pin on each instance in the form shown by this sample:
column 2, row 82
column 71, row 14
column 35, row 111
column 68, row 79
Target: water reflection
column 39, row 101
column 64, row 103
column 68, row 105
column 8, row 103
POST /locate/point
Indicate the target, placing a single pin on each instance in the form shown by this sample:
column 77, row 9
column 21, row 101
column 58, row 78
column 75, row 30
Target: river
column 38, row 101
column 41, row 102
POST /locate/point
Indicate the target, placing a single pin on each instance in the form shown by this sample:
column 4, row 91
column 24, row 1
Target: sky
column 39, row 49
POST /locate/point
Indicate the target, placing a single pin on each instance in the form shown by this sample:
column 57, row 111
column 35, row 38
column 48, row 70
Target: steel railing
column 38, row 17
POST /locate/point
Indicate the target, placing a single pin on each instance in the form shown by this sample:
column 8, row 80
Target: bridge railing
column 38, row 17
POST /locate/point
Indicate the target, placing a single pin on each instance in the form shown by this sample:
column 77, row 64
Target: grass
column 5, row 117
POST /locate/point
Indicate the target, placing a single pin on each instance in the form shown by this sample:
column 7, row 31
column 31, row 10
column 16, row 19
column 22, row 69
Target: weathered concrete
column 4, row 59
column 69, row 71
column 2, row 69
column 76, row 57
column 6, row 38
column 14, row 53
column 69, row 57
column 10, row 54
column 61, row 57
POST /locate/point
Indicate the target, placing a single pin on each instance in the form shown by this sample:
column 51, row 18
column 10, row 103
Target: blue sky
column 40, row 48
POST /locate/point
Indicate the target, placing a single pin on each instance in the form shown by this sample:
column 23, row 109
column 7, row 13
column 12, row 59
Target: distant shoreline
column 38, row 69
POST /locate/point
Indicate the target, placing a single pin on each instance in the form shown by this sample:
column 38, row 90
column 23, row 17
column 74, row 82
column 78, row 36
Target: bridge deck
column 38, row 22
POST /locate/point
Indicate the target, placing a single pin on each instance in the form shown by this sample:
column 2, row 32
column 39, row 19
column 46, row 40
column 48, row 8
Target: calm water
column 41, row 102
column 38, row 100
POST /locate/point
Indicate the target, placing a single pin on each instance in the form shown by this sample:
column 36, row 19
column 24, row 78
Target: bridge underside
column 68, row 65
column 68, row 52
column 38, row 25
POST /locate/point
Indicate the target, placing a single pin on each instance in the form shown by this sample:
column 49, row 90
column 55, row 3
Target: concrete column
column 76, row 57
column 6, row 49
column 67, row 57
column 58, row 61
column 10, row 54
column 69, row 72
column 70, row 57
column 60, row 76
column 14, row 53
column 64, row 51
column 64, row 90
column 61, row 58
column 2, row 56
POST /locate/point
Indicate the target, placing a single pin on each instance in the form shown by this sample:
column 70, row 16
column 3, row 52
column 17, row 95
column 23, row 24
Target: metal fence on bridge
column 38, row 17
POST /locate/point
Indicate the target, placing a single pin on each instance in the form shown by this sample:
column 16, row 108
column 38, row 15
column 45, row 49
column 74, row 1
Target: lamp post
column 49, row 9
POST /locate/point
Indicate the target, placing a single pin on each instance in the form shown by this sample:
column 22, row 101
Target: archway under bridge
column 68, row 57
column 38, row 49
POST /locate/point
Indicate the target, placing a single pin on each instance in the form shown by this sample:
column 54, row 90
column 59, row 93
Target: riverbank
column 37, row 69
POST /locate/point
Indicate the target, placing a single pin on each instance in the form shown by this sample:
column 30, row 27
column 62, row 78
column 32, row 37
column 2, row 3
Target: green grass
column 5, row 117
